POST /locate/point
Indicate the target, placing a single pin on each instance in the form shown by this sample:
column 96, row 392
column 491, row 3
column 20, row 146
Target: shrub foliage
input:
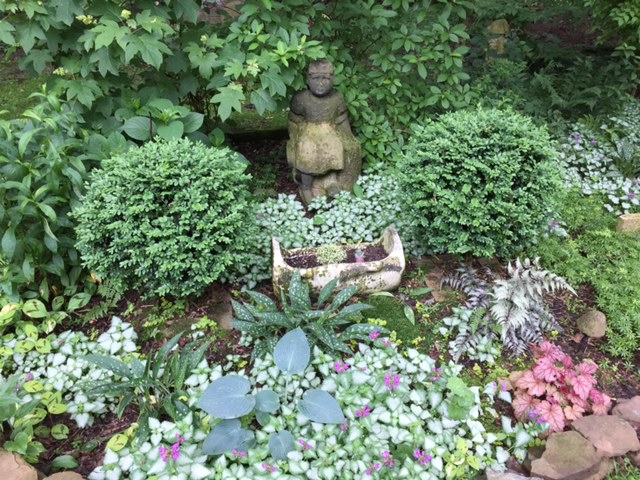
column 478, row 182
column 168, row 217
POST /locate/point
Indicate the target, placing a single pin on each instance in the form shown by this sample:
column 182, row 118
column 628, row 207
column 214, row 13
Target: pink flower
column 164, row 453
column 305, row 445
column 341, row 367
column 422, row 457
column 374, row 335
column 632, row 196
column 387, row 343
column 374, row 468
column 345, row 426
column 175, row 451
column 388, row 461
column 269, row 468
column 365, row 412
column 392, row 381
column 239, row 453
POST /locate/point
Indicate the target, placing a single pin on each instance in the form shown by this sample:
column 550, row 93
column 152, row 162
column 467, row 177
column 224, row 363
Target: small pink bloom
column 239, row 453
column 392, row 381
column 374, row 335
column 164, row 453
column 365, row 412
column 422, row 457
column 304, row 444
column 341, row 367
column 387, row 343
column 269, row 468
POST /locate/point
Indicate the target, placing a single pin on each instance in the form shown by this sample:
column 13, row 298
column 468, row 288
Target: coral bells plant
column 557, row 391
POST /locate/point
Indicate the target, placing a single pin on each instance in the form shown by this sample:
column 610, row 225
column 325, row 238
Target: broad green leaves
column 321, row 407
column 230, row 98
column 228, row 398
column 292, row 353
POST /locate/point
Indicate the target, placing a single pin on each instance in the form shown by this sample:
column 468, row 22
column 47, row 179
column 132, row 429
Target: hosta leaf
column 281, row 443
column 227, row 435
column 319, row 406
column 228, row 397
column 292, row 353
column 267, row 401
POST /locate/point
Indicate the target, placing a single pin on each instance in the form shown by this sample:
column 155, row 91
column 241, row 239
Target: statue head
column 320, row 77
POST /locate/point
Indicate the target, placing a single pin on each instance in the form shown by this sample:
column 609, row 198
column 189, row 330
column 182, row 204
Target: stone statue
column 325, row 156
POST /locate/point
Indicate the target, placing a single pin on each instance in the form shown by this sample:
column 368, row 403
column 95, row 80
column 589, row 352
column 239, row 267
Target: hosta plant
column 322, row 324
column 557, row 390
column 512, row 308
column 227, row 399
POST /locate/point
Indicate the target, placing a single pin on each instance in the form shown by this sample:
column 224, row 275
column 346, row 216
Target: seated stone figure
column 325, row 156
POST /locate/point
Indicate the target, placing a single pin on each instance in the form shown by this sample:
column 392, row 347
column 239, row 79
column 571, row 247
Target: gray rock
column 593, row 324
column 13, row 467
column 568, row 456
column 629, row 409
column 609, row 434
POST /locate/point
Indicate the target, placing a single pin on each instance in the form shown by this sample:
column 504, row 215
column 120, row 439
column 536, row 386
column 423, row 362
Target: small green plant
column 265, row 322
column 330, row 254
column 24, row 419
column 167, row 218
column 512, row 308
column 156, row 384
column 227, row 399
column 159, row 315
column 479, row 182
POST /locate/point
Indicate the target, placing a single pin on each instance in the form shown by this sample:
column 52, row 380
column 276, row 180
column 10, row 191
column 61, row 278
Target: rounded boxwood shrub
column 479, row 182
column 165, row 218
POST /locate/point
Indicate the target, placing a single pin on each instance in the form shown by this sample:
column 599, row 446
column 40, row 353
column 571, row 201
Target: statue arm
column 342, row 118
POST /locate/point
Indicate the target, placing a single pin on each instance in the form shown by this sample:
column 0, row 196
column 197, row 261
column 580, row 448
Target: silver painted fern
column 513, row 309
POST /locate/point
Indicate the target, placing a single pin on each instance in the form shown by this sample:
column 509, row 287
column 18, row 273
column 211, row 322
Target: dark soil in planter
column 309, row 260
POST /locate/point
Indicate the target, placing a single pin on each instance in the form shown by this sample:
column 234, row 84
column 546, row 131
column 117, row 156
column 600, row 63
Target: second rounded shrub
column 165, row 218
column 479, row 182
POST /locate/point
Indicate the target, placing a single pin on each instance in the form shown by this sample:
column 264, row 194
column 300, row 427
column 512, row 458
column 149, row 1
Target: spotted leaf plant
column 229, row 399
column 330, row 324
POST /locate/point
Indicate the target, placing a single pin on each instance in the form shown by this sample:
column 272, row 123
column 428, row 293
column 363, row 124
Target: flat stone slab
column 611, row 435
column 491, row 475
column 629, row 409
column 65, row 476
column 568, row 456
column 628, row 223
column 13, row 467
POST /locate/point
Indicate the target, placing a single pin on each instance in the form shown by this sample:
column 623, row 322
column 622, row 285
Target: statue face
column 320, row 83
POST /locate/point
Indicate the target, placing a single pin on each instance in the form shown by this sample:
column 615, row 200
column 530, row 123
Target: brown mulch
column 308, row 259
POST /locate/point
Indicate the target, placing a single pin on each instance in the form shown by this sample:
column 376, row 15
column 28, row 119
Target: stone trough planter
column 373, row 276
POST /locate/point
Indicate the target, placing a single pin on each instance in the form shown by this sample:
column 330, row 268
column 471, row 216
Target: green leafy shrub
column 265, row 322
column 166, row 218
column 44, row 160
column 115, row 58
column 478, row 182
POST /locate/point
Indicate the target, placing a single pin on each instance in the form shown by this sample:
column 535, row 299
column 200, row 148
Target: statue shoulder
column 299, row 101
